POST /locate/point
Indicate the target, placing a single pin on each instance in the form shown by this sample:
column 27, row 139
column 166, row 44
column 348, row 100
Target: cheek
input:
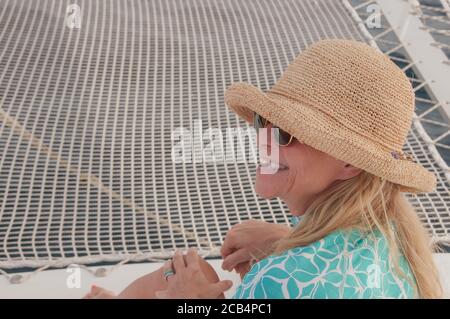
column 325, row 173
column 300, row 160
column 271, row 185
column 311, row 169
column 302, row 175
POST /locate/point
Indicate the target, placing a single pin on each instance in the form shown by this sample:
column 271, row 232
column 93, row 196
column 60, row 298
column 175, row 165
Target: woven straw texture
column 348, row 100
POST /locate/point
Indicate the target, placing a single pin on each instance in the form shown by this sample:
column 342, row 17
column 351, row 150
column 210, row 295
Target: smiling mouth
column 267, row 162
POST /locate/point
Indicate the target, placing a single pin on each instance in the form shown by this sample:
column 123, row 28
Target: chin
column 264, row 193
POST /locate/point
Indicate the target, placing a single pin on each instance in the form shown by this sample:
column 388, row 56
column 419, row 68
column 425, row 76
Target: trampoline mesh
column 96, row 105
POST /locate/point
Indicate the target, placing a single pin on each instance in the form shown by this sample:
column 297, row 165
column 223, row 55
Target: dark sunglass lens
column 282, row 137
column 258, row 121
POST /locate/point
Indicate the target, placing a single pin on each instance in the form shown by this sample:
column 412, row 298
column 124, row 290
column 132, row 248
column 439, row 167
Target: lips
column 267, row 162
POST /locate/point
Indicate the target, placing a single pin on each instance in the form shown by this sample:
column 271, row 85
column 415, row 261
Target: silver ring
column 168, row 272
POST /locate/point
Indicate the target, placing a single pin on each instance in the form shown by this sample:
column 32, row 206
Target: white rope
column 87, row 177
column 360, row 23
column 438, row 31
column 442, row 19
column 416, row 5
column 418, row 9
column 441, row 45
column 81, row 262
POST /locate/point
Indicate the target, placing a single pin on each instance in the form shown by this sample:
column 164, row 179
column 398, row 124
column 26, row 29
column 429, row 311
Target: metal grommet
column 16, row 279
column 101, row 272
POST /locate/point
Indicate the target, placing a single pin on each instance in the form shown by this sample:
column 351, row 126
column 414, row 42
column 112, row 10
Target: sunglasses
column 282, row 138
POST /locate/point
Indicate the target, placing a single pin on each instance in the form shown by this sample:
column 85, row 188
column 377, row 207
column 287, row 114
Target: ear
column 348, row 171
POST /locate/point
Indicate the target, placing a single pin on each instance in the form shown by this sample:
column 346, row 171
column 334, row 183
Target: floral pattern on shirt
column 344, row 264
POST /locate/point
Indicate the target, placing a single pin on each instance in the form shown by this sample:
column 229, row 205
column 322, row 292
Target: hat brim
column 322, row 132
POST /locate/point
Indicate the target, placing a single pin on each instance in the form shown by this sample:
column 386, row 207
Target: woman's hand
column 99, row 293
column 189, row 281
column 251, row 239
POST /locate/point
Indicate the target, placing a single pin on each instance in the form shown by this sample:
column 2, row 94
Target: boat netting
column 87, row 115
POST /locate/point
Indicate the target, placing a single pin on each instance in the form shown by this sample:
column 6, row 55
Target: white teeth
column 274, row 166
column 265, row 162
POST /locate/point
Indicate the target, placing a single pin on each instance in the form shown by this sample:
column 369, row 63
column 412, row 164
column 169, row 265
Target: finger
column 244, row 266
column 178, row 261
column 95, row 289
column 242, row 269
column 166, row 267
column 222, row 286
column 105, row 295
column 235, row 258
column 161, row 294
column 192, row 259
column 89, row 295
column 99, row 292
column 228, row 246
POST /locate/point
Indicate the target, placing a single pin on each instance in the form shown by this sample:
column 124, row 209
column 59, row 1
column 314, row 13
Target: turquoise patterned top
column 344, row 264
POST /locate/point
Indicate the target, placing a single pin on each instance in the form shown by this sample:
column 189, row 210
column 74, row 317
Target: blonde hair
column 369, row 202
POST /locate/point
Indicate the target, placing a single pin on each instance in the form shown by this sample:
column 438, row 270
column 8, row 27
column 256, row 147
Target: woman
column 341, row 112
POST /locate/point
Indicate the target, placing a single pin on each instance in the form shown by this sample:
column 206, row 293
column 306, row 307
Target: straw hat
column 345, row 99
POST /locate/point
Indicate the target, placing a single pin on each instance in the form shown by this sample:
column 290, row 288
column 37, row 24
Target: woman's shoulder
column 344, row 264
